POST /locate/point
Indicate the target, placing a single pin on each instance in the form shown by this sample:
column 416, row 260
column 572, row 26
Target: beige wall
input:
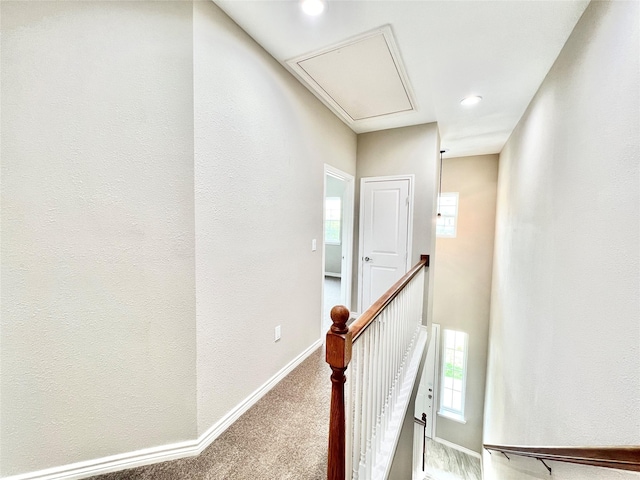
column 261, row 142
column 462, row 288
column 401, row 151
column 162, row 180
column 98, row 278
column 564, row 341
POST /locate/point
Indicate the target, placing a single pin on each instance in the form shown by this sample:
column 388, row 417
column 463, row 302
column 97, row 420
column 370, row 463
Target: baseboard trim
column 457, row 447
column 189, row 448
column 220, row 426
column 113, row 463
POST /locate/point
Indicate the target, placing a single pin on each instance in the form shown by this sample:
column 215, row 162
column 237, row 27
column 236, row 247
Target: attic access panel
column 359, row 79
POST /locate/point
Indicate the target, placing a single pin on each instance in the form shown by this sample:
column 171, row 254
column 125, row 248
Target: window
column 454, row 374
column 446, row 224
column 332, row 220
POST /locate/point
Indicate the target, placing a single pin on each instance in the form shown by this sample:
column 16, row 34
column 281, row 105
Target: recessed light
column 312, row 7
column 472, row 100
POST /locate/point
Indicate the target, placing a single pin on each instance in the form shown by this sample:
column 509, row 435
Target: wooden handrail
column 340, row 339
column 370, row 314
column 619, row 457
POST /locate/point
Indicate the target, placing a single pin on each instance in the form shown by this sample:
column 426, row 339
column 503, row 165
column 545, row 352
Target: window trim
column 452, row 416
column 450, row 413
column 455, row 216
column 340, row 220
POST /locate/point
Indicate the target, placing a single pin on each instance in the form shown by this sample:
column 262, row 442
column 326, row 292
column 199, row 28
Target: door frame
column 347, row 235
column 363, row 180
column 433, row 353
column 436, row 334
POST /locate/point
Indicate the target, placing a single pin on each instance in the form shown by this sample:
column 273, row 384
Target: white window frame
column 328, row 242
column 449, row 412
column 454, row 216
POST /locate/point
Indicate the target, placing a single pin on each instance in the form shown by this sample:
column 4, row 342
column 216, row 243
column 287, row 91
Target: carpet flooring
column 282, row 437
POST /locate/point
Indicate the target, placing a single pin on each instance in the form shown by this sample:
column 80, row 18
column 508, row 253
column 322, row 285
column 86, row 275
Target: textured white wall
column 403, row 151
column 462, row 286
column 98, row 294
column 261, row 141
column 333, row 258
column 564, row 362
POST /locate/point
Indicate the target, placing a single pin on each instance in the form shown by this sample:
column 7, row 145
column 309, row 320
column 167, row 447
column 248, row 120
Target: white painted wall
column 261, row 141
column 564, row 362
column 399, row 151
column 462, row 286
column 162, row 180
column 98, row 280
column 333, row 258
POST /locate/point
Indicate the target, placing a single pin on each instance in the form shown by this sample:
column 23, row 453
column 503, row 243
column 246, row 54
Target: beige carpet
column 283, row 436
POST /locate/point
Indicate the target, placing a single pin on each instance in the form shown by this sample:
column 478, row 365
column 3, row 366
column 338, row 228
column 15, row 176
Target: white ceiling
column 501, row 50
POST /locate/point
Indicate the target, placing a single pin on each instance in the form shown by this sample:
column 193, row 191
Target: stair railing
column 383, row 346
column 620, row 457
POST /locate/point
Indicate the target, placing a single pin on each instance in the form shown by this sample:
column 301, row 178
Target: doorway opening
column 337, row 242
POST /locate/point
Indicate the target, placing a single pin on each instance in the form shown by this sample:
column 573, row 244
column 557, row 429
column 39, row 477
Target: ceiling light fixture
column 312, row 7
column 471, row 100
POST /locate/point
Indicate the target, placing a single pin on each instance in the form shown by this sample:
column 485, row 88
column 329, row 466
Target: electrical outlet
column 276, row 334
column 314, row 245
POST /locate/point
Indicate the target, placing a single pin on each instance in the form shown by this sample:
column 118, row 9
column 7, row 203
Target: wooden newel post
column 338, row 356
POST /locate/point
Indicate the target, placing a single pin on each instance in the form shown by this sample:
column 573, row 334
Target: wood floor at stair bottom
column 451, row 463
column 282, row 437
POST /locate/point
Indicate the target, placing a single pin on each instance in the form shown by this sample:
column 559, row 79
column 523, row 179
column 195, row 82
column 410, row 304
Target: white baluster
column 385, row 387
column 380, row 359
column 369, row 404
column 376, row 398
column 350, row 409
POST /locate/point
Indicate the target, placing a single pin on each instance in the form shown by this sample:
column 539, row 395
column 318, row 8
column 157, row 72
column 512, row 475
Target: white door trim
column 347, row 238
column 435, row 331
column 363, row 180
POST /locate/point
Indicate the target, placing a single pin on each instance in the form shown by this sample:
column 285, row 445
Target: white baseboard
column 164, row 453
column 113, row 463
column 458, row 447
column 332, row 274
column 225, row 422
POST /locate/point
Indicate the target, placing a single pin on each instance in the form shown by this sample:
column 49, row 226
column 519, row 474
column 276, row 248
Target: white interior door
column 385, row 233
